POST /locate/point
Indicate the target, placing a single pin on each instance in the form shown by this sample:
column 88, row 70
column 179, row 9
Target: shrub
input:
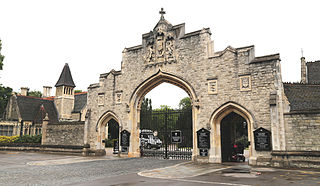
column 8, row 139
column 20, row 139
column 29, row 139
column 243, row 141
column 110, row 142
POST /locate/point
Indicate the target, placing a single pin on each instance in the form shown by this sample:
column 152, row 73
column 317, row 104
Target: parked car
column 148, row 140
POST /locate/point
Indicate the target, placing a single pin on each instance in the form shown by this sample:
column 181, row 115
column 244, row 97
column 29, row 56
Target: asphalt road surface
column 19, row 168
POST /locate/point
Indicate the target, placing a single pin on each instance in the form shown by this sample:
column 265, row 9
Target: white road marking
column 63, row 161
column 210, row 182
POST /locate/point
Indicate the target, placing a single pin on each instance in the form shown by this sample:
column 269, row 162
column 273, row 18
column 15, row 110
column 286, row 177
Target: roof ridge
column 34, row 97
column 79, row 93
column 298, row 83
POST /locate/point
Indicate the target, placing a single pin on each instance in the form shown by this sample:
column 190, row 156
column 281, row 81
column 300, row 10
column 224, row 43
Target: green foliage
column 242, row 141
column 8, row 139
column 5, row 94
column 1, row 57
column 35, row 93
column 185, row 103
column 146, row 105
column 163, row 107
column 110, row 142
column 77, row 91
column 29, row 139
column 21, row 139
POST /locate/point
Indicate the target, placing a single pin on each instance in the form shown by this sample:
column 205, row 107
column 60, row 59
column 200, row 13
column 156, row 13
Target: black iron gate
column 166, row 134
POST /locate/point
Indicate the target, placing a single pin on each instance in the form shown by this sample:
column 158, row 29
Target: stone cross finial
column 162, row 12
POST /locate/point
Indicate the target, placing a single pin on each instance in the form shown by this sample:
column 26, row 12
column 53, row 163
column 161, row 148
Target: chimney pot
column 24, row 91
column 46, row 91
column 303, row 70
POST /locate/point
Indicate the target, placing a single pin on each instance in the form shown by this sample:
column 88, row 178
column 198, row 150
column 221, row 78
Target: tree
column 77, row 91
column 5, row 94
column 163, row 108
column 1, row 57
column 146, row 105
column 145, row 113
column 185, row 103
column 35, row 93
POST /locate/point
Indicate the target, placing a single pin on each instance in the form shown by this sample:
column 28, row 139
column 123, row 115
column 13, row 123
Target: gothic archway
column 101, row 129
column 215, row 122
column 142, row 90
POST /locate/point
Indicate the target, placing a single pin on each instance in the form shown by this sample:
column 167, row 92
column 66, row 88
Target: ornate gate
column 166, row 134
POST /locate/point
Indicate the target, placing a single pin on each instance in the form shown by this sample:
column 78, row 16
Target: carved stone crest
column 160, row 45
column 245, row 83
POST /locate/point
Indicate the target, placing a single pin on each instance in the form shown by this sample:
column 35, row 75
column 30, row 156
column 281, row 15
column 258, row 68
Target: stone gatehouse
column 218, row 83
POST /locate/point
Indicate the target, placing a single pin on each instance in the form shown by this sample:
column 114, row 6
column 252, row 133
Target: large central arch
column 136, row 99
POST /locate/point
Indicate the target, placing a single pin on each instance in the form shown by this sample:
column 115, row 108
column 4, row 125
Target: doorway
column 112, row 137
column 234, row 137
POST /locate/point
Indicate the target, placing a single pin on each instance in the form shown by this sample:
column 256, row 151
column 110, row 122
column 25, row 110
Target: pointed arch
column 136, row 99
column 215, row 123
column 100, row 128
column 155, row 80
column 229, row 107
column 104, row 118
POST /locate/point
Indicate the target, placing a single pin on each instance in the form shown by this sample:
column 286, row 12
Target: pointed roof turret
column 65, row 77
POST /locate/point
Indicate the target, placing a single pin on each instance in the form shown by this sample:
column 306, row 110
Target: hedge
column 20, row 139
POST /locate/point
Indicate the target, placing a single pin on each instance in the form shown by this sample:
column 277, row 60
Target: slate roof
column 303, row 97
column 65, row 78
column 313, row 72
column 34, row 109
column 80, row 101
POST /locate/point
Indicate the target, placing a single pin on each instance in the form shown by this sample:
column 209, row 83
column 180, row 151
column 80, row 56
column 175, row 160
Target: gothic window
column 6, row 130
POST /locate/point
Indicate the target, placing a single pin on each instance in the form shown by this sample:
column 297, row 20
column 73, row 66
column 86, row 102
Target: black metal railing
column 164, row 125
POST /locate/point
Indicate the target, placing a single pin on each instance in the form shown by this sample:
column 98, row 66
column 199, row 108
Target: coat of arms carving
column 160, row 45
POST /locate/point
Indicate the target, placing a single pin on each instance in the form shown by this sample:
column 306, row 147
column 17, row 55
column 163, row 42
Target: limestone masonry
column 218, row 83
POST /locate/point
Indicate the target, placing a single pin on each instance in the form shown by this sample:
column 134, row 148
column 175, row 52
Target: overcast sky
column 40, row 36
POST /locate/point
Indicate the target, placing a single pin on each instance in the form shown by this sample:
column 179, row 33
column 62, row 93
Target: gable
column 30, row 107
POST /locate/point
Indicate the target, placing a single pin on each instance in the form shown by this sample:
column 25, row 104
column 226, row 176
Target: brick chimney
column 24, row 91
column 303, row 70
column 46, row 91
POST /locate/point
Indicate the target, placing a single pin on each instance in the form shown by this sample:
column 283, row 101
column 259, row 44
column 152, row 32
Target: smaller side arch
column 105, row 117
column 215, row 123
column 101, row 131
column 229, row 107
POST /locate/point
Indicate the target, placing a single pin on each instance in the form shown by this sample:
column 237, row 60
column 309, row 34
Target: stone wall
column 302, row 131
column 64, row 133
column 197, row 64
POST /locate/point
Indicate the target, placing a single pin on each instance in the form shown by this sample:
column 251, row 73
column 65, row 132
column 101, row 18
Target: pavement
column 19, row 168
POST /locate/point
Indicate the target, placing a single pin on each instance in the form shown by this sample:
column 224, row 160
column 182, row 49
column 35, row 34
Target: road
column 19, row 168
